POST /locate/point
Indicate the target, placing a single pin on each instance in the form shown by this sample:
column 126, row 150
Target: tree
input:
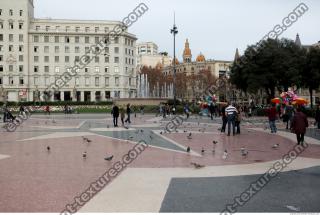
column 311, row 72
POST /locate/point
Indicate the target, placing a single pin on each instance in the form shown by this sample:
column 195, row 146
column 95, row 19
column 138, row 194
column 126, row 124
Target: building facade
column 34, row 53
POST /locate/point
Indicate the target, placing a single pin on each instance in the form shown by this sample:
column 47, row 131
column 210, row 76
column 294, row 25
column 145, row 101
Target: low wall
column 140, row 101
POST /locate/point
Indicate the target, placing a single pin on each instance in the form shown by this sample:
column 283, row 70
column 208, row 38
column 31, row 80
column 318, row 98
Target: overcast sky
column 215, row 28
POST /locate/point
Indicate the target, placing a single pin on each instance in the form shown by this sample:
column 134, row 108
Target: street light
column 174, row 31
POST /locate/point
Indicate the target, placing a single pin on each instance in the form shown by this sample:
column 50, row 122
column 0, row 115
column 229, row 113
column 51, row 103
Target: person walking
column 288, row 110
column 317, row 117
column 186, row 110
column 128, row 114
column 272, row 116
column 224, row 119
column 299, row 125
column 122, row 115
column 115, row 114
column 47, row 110
column 231, row 112
column 212, row 110
column 238, row 120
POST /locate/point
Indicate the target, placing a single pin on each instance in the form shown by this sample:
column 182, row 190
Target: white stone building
column 34, row 53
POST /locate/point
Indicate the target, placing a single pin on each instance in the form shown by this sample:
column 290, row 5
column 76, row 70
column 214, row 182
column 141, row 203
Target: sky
column 214, row 28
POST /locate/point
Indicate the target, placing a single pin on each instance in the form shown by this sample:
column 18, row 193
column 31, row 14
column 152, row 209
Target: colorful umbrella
column 300, row 101
column 276, row 100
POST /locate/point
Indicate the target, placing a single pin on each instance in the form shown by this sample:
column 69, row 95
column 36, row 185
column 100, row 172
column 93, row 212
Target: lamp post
column 174, row 31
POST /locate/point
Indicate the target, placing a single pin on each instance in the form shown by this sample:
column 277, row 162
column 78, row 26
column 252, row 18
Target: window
column 36, row 39
column 10, row 37
column 77, row 49
column 11, row 12
column 47, row 28
column 116, row 40
column 46, row 69
column 77, row 81
column 97, row 81
column 35, row 49
column 46, row 49
column 21, row 48
column 20, row 25
column 87, row 29
column 36, row 59
column 76, row 58
column 106, row 59
column 67, row 49
column 57, row 28
column 10, row 80
column 87, row 50
column 1, row 25
column 46, row 59
column 35, row 69
column 77, row 29
column 1, row 37
column 87, row 82
column 20, row 37
column 1, row 48
column 106, row 69
column 21, row 82
column 86, row 70
column 10, row 68
column 67, row 39
column 116, row 69
column 67, row 28
column 1, row 68
column 96, row 39
column 56, row 39
column 0, row 12
column 11, row 25
column 37, row 28
column 107, row 81
column 106, row 29
column 96, row 29
column 56, row 49
column 116, row 59
column 87, row 39
column 20, row 58
column 1, row 82
column 56, row 59
column 96, row 59
column 116, row 80
column 116, row 50
column 97, row 69
column 106, row 50
column 21, row 12
column 46, row 81
column 1, row 58
column 66, row 59
column 57, row 69
column 77, row 39
column 11, row 48
column 46, row 39
column 20, row 68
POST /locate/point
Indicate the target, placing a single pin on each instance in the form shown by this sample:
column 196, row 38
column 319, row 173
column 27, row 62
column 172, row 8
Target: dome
column 201, row 58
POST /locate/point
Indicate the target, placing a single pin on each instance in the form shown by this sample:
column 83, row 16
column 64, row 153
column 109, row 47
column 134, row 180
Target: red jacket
column 272, row 113
column 299, row 123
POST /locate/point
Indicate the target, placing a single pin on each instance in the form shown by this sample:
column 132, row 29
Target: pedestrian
column 115, row 114
column 128, row 114
column 231, row 113
column 224, row 119
column 21, row 110
column 122, row 115
column 212, row 110
column 47, row 110
column 186, row 110
column 317, row 117
column 299, row 125
column 272, row 117
column 142, row 110
column 238, row 120
column 288, row 111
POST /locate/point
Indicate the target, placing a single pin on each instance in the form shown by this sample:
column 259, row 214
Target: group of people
column 122, row 111
column 166, row 110
column 231, row 116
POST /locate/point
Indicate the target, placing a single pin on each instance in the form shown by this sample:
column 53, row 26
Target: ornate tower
column 237, row 55
column 187, row 56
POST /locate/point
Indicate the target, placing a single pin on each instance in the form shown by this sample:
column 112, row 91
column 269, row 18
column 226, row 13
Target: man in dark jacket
column 299, row 125
column 128, row 114
column 317, row 117
column 115, row 114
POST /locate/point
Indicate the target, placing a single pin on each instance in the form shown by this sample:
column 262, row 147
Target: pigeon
column 188, row 149
column 214, row 142
column 244, row 152
column 84, row 155
column 275, row 146
column 48, row 148
column 202, row 151
column 141, row 130
column 185, row 131
column 197, row 166
column 189, row 136
column 109, row 158
column 161, row 132
column 85, row 139
column 225, row 155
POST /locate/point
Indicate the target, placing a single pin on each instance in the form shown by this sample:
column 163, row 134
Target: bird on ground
column 141, row 131
column 214, row 142
column 161, row 132
column 84, row 155
column 48, row 148
column 185, row 131
column 244, row 152
column 87, row 140
column 197, row 166
column 188, row 149
column 225, row 155
column 202, row 151
column 109, row 158
column 275, row 146
column 189, row 136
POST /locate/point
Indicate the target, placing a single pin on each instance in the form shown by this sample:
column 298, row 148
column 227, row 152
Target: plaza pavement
column 161, row 179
